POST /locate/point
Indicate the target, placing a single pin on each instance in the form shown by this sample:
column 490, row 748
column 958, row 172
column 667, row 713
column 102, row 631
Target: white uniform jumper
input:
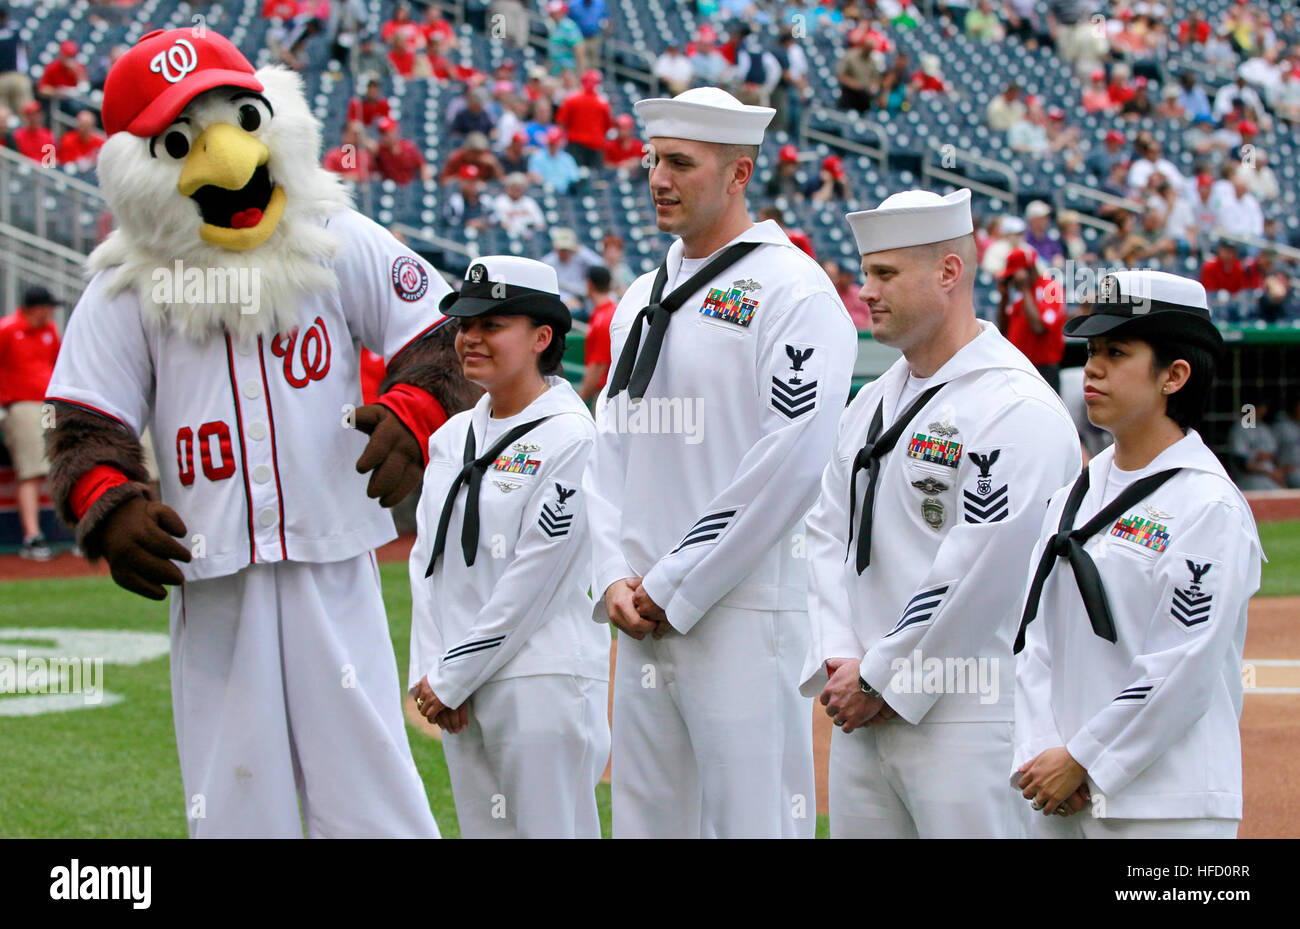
column 701, row 488
column 1152, row 716
column 511, row 634
column 933, row 615
column 284, row 680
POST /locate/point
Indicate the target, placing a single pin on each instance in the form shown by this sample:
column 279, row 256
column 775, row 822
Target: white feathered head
column 215, row 166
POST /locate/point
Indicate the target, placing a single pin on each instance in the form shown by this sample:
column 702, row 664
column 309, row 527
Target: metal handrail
column 962, row 156
column 880, row 152
column 41, row 181
column 1091, row 193
column 468, row 250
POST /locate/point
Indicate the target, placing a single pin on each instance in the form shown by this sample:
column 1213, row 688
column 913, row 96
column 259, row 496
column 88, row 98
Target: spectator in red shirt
column 930, row 78
column 284, row 10
column 474, row 152
column 373, row 106
column 1120, row 89
column 844, row 277
column 32, row 138
column 514, row 158
column 586, row 117
column 1226, row 271
column 398, row 159
column 1032, row 314
column 1096, row 98
column 407, row 62
column 596, row 352
column 798, row 238
column 435, row 29
column 29, row 345
column 354, row 157
column 402, row 24
column 64, row 73
column 1195, row 29
column 626, row 150
column 80, row 146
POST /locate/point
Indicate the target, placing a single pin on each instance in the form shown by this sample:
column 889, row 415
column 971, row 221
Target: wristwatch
column 867, row 688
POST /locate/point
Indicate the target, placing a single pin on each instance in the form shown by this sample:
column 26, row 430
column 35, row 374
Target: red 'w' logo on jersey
column 313, row 353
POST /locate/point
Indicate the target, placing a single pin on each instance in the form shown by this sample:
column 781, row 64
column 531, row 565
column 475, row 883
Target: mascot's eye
column 176, row 144
column 249, row 117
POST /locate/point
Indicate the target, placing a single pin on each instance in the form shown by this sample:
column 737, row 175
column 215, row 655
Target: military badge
column 730, row 306
column 553, row 521
column 746, row 285
column 505, row 486
column 1155, row 513
column 932, row 511
column 930, row 486
column 946, row 428
column 526, row 447
column 1144, row 532
column 935, row 451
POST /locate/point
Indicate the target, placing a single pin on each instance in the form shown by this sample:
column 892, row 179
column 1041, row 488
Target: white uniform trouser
column 285, row 689
column 932, row 780
column 529, row 761
column 1082, row 825
column 711, row 737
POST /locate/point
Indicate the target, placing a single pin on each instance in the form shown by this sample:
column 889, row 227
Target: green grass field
column 112, row 770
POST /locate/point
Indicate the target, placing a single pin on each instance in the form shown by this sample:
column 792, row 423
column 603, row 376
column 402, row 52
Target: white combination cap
column 704, row 114
column 913, row 217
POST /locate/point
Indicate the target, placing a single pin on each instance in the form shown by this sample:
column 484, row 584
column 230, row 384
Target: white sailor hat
column 912, row 217
column 505, row 285
column 705, row 114
column 1145, row 303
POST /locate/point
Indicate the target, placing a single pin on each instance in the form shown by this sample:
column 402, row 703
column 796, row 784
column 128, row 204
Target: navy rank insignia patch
column 707, row 529
column 554, row 521
column 1192, row 604
column 985, row 504
column 794, row 389
column 730, row 305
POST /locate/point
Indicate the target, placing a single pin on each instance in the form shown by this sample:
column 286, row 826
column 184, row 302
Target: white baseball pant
column 930, row 781
column 529, row 761
column 285, row 690
column 711, row 737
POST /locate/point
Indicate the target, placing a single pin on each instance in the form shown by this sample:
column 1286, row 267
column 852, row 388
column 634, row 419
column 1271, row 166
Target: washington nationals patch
column 410, row 280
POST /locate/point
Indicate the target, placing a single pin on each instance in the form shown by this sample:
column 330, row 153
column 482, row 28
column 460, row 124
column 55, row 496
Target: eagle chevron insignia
column 794, row 396
column 985, row 504
column 553, row 521
column 1192, row 605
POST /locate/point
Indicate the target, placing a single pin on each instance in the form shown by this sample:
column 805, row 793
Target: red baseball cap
column 555, row 134
column 591, row 78
column 519, row 138
column 1204, row 180
column 625, row 120
column 1247, row 127
column 151, row 83
column 67, row 48
column 1099, row 75
column 468, row 172
column 833, row 164
column 1056, row 113
column 31, row 106
column 789, row 153
column 1114, row 135
column 1017, row 260
column 707, row 34
column 386, row 124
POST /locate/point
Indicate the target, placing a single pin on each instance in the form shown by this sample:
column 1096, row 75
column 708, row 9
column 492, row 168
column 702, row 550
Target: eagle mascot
column 227, row 313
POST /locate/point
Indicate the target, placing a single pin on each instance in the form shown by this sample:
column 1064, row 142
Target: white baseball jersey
column 522, row 608
column 699, row 487
column 957, row 508
column 1152, row 716
column 255, row 449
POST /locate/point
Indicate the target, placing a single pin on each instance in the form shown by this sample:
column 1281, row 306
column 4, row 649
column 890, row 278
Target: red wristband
column 91, row 486
column 418, row 411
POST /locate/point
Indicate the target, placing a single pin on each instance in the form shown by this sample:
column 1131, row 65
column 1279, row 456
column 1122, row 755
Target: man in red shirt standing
column 1032, row 314
column 625, row 151
column 596, row 356
column 399, row 160
column 29, row 345
column 80, row 146
column 32, row 138
column 352, row 158
column 373, row 106
column 586, row 117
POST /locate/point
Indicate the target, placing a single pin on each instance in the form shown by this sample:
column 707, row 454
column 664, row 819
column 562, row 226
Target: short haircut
column 963, row 246
column 1187, row 406
column 599, row 277
column 728, row 152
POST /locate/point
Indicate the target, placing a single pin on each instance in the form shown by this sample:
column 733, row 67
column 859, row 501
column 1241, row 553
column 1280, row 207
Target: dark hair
column 1187, row 406
column 599, row 277
column 551, row 360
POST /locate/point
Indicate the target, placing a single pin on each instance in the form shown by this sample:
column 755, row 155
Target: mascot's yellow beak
column 226, row 175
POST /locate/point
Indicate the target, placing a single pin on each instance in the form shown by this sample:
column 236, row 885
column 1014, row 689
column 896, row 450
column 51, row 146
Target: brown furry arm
column 79, row 441
column 430, row 363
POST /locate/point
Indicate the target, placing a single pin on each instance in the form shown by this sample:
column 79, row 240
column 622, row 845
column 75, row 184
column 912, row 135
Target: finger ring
column 1062, row 808
column 419, row 702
